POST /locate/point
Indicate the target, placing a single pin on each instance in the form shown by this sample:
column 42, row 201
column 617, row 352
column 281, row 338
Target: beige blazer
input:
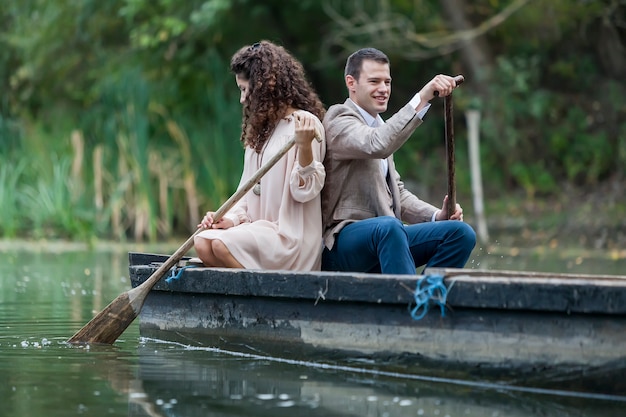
column 355, row 188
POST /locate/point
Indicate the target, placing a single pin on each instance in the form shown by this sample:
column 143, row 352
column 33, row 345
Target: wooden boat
column 511, row 321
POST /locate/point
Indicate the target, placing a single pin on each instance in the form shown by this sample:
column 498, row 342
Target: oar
column 449, row 134
column 111, row 322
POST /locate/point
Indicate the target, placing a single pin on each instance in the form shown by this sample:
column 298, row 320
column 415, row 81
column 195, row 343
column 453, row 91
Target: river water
column 46, row 295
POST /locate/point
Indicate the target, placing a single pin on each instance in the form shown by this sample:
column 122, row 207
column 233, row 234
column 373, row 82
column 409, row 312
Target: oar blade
column 110, row 323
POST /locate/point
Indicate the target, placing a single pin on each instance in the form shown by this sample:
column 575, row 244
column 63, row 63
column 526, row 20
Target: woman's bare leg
column 221, row 252
column 215, row 253
column 205, row 251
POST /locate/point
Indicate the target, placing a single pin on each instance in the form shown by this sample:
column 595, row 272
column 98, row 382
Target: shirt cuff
column 307, row 170
column 415, row 101
column 234, row 218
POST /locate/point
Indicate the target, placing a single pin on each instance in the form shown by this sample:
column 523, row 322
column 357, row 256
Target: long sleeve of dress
column 312, row 176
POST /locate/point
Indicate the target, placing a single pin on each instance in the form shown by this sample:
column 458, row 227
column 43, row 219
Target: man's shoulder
column 339, row 107
column 337, row 110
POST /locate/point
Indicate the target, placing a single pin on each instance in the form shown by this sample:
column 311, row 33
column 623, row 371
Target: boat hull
column 495, row 320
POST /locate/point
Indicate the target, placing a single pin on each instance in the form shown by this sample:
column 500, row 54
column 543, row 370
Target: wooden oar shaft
column 449, row 133
column 111, row 322
column 449, row 137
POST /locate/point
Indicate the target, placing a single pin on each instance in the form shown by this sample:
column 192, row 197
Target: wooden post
column 473, row 127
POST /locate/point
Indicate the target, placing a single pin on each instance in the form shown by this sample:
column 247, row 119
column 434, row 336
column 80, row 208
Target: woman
column 278, row 224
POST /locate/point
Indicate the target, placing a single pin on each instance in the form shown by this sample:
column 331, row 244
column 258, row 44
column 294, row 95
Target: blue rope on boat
column 175, row 273
column 430, row 290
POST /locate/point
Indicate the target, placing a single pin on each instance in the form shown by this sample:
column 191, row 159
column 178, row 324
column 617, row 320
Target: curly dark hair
column 276, row 83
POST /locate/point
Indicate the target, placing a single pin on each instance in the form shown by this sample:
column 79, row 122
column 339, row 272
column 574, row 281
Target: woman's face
column 243, row 85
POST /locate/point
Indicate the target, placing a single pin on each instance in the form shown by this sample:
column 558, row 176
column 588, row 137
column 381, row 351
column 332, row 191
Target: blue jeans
column 385, row 245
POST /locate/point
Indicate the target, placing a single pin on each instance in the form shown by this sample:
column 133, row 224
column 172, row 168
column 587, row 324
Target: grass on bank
column 139, row 191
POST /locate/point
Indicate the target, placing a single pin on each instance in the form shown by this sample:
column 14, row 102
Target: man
column 364, row 203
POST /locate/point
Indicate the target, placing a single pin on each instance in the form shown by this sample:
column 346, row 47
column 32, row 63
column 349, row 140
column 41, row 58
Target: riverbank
column 574, row 219
column 105, row 246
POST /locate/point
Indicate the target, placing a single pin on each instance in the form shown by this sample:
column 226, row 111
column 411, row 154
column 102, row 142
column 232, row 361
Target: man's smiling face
column 372, row 90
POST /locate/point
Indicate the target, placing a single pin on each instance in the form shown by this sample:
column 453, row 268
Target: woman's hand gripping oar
column 111, row 322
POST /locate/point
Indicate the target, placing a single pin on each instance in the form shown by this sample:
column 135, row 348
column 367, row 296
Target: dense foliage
column 119, row 118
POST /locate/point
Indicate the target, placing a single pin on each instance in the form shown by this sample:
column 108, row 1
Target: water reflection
column 183, row 381
column 46, row 295
column 51, row 285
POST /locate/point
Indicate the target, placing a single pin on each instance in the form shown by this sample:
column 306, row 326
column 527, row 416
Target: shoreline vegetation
column 72, row 203
column 564, row 226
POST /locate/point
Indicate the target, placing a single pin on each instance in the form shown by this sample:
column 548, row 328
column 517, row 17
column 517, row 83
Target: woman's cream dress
column 281, row 228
